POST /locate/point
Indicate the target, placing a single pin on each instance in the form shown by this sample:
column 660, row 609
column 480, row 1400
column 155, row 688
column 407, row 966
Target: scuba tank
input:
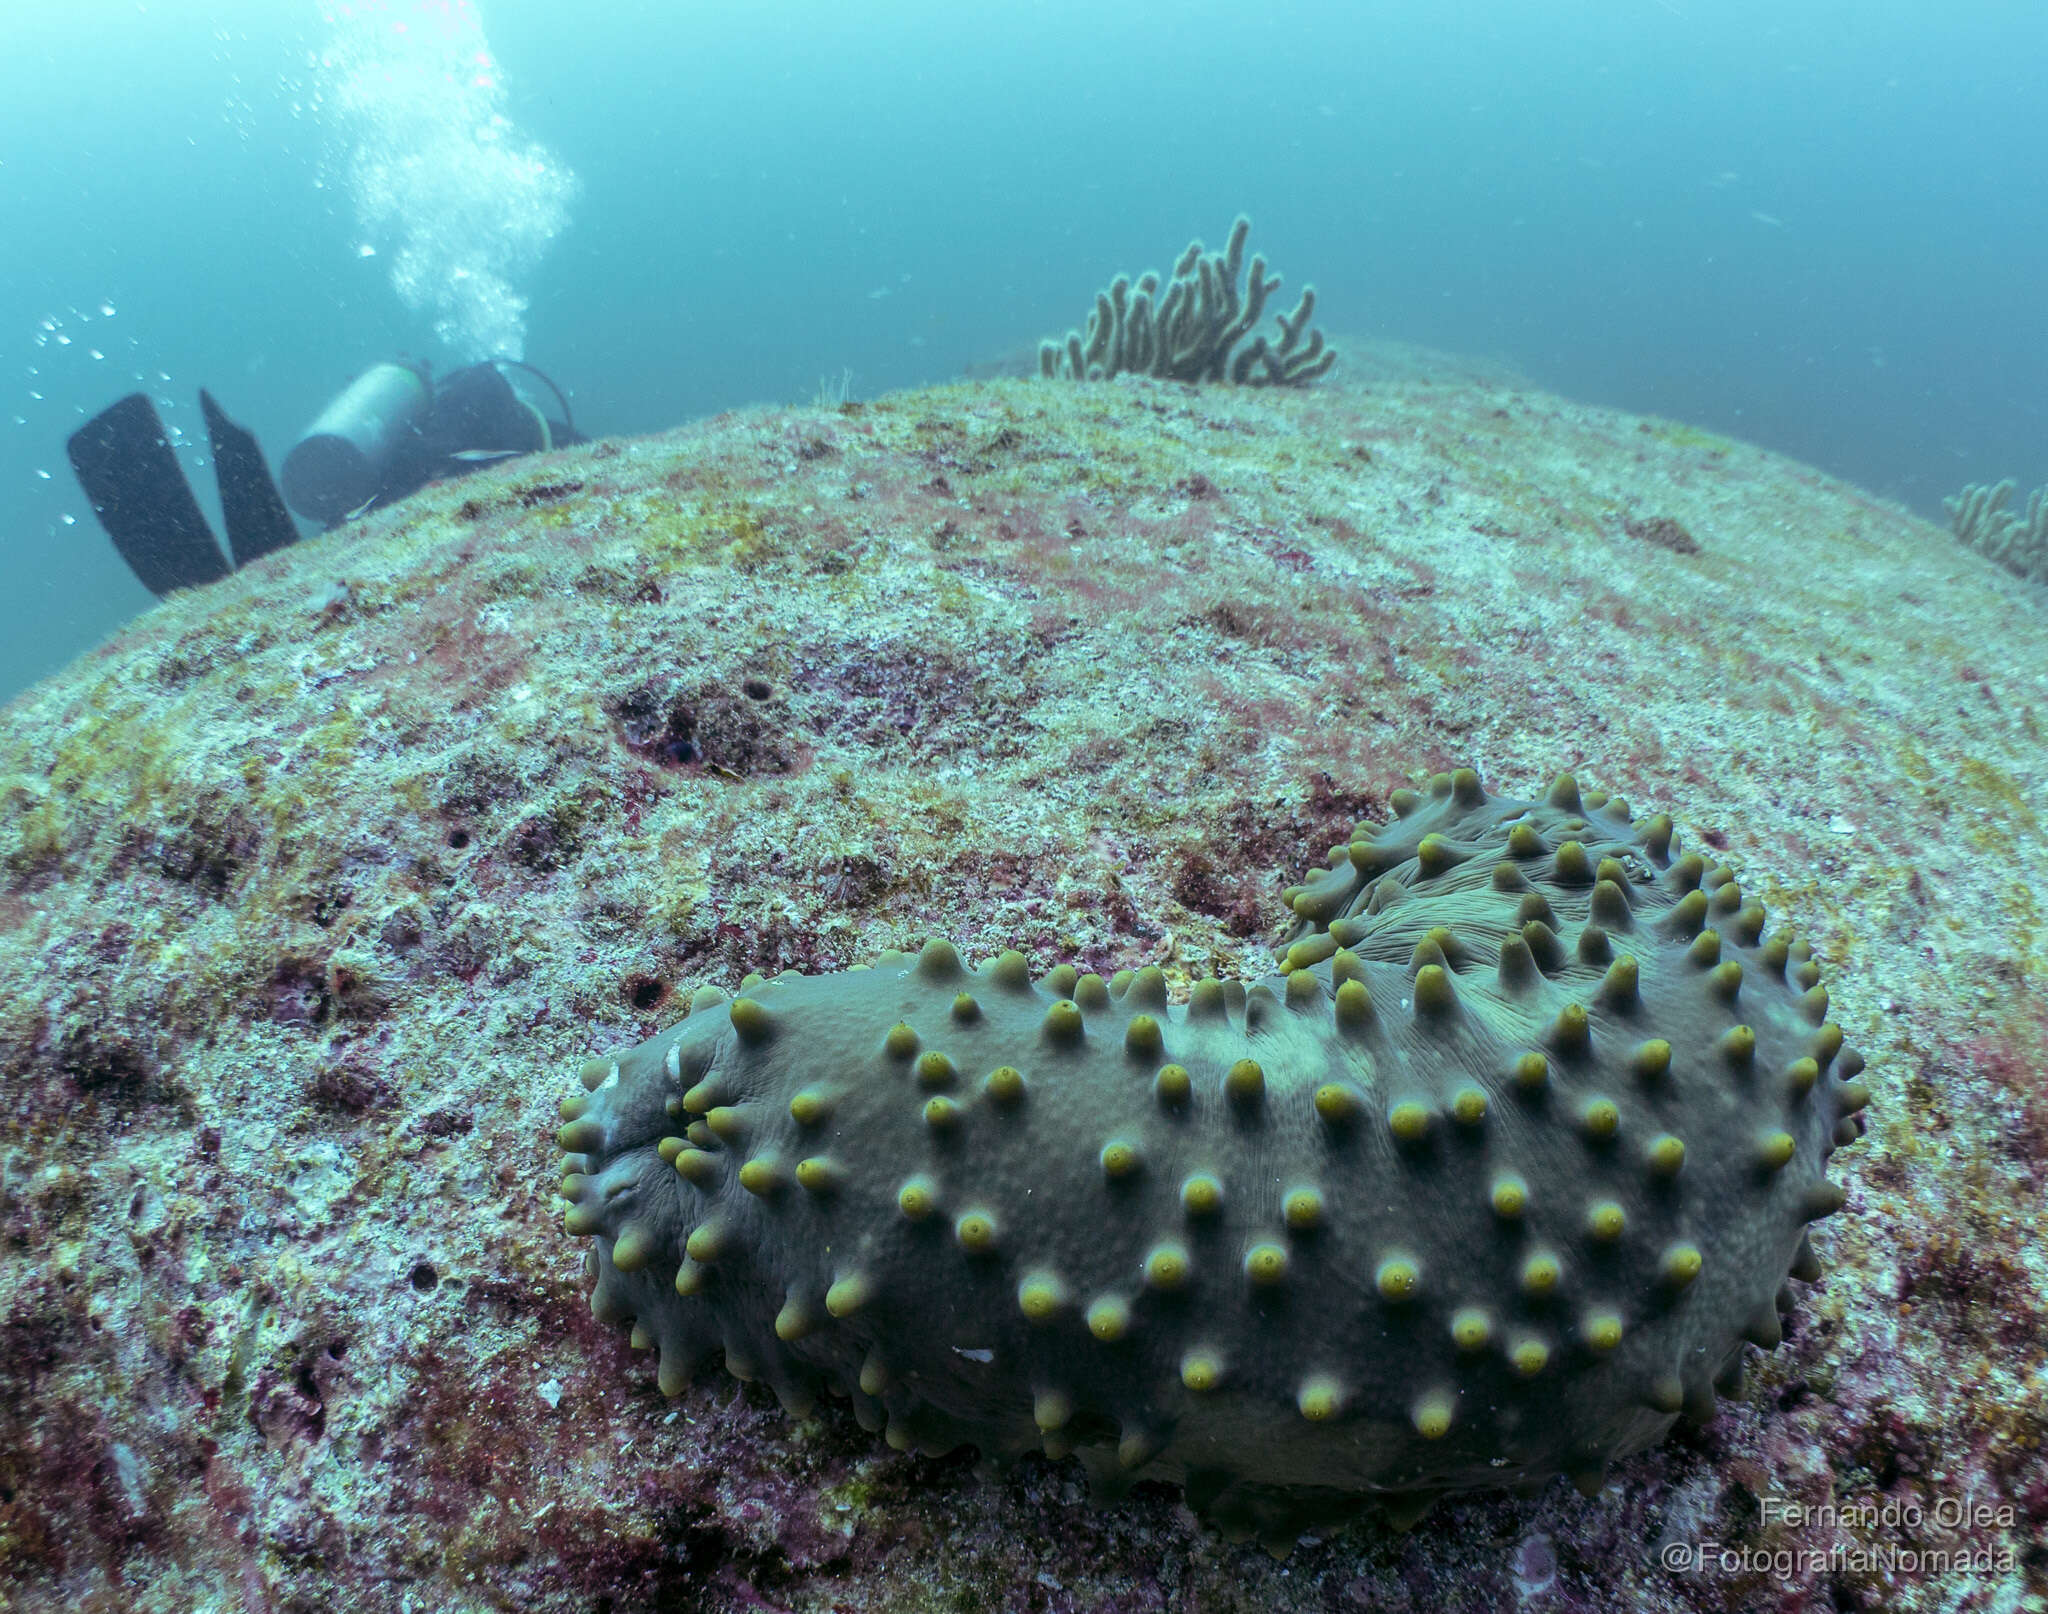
column 346, row 458
column 395, row 429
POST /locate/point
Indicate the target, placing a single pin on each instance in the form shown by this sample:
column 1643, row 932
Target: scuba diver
column 392, row 431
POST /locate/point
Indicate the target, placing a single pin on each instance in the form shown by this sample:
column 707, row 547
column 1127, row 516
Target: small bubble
column 96, row 353
column 69, row 521
column 45, row 475
column 63, row 340
column 37, row 396
column 107, row 309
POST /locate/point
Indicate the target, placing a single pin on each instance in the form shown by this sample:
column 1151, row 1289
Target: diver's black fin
column 254, row 510
column 131, row 478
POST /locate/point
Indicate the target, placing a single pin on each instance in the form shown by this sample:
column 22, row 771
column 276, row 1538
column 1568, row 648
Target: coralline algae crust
column 1494, row 1180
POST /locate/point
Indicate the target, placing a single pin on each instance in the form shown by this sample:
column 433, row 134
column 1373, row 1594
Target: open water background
column 1817, row 227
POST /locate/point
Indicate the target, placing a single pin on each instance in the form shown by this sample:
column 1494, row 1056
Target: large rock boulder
column 321, row 884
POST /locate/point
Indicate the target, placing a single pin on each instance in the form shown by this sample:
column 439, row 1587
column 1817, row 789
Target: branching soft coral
column 1978, row 516
column 1191, row 333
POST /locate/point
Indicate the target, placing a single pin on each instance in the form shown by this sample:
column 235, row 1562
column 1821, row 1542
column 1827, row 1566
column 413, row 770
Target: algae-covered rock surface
column 318, row 887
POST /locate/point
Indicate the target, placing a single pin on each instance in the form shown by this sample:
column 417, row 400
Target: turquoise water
column 1820, row 232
